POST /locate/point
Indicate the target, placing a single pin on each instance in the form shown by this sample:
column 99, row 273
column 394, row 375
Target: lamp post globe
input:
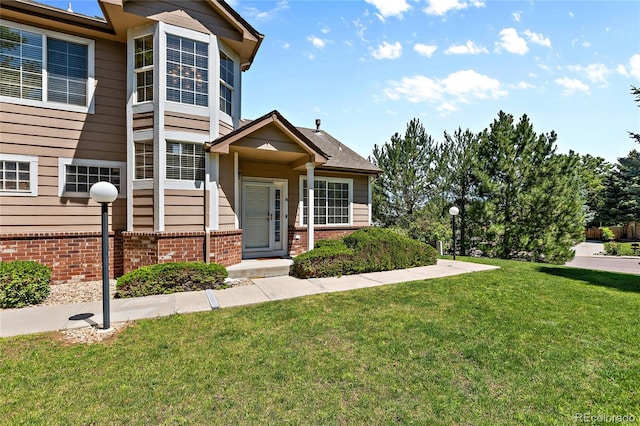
column 453, row 211
column 105, row 193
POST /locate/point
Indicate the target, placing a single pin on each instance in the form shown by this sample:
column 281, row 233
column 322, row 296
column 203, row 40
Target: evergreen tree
column 461, row 147
column 409, row 176
column 594, row 172
column 531, row 207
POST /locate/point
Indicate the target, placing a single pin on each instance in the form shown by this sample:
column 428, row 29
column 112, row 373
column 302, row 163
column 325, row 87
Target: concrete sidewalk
column 15, row 322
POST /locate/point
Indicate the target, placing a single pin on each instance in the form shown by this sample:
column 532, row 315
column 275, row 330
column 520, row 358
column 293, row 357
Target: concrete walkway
column 58, row 317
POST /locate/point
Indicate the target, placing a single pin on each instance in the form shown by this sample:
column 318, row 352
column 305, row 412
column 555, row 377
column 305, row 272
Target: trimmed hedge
column 23, row 283
column 167, row 278
column 366, row 250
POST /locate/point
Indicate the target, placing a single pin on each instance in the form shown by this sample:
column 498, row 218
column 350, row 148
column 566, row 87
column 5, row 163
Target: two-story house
column 149, row 99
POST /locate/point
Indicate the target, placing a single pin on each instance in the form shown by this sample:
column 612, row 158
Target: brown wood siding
column 143, row 210
column 360, row 201
column 143, row 121
column 183, row 211
column 226, row 200
column 272, row 135
column 50, row 134
column 225, row 128
column 194, row 15
column 186, row 122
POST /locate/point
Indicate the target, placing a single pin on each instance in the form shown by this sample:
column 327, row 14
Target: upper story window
column 226, row 83
column 143, row 59
column 42, row 67
column 187, row 71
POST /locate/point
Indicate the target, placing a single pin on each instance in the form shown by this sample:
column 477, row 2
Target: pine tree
column 408, row 177
column 461, row 147
column 531, row 207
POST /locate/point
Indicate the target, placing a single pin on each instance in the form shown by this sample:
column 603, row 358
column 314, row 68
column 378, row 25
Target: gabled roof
column 336, row 155
column 221, row 145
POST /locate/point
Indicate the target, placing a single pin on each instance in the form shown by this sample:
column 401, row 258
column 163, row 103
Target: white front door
column 263, row 218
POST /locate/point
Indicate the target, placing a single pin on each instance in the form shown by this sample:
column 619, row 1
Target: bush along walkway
column 59, row 317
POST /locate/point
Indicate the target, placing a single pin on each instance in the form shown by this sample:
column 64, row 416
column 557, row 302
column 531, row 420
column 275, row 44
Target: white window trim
column 62, row 175
column 349, row 181
column 33, row 175
column 235, row 91
column 91, row 80
column 168, row 29
column 135, row 70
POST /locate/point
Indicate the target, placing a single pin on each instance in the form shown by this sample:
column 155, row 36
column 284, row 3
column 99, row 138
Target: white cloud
column 387, row 51
column 524, row 85
column 538, row 38
column 634, row 66
column 447, row 107
column 360, row 29
column 441, row 7
column 310, row 56
column 571, row 14
column 414, row 89
column 517, row 16
column 572, row 85
column 469, row 48
column 468, row 85
column 511, row 42
column 317, row 42
column 388, row 8
column 266, row 15
column 325, row 30
column 286, row 45
column 459, row 87
column 620, row 69
column 586, row 44
column 596, row 73
column 425, row 49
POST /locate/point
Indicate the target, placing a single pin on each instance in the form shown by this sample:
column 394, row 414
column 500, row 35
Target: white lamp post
column 453, row 211
column 105, row 193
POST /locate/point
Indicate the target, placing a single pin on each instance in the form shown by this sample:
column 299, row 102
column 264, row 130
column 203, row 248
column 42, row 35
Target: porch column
column 236, row 191
column 310, row 204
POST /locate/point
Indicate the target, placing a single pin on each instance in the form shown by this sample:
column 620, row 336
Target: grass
column 533, row 344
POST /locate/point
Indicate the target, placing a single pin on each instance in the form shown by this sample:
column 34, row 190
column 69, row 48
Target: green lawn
column 533, row 344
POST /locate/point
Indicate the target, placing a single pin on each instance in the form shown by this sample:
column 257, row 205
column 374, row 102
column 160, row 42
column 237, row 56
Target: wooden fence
column 625, row 232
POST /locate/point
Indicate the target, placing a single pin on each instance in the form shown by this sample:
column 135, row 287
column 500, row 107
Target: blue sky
column 368, row 67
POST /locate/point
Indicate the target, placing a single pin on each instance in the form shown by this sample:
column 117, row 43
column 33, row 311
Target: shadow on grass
column 624, row 282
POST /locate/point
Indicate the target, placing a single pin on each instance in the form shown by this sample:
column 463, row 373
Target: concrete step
column 260, row 268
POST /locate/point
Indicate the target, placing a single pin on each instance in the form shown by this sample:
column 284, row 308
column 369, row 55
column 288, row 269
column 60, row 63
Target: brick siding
column 72, row 257
column 77, row 257
column 299, row 245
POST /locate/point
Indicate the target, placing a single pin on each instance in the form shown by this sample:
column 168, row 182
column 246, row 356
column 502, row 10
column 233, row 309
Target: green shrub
column 167, row 278
column 328, row 259
column 612, row 249
column 381, row 249
column 607, row 234
column 366, row 250
column 23, row 283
